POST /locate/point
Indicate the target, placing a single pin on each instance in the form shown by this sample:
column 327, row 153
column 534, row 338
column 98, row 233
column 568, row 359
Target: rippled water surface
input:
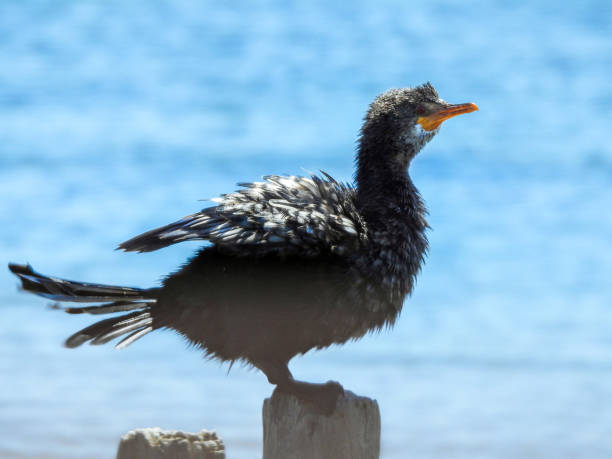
column 116, row 117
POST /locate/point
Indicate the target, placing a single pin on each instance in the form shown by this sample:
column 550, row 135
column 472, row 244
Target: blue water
column 116, row 117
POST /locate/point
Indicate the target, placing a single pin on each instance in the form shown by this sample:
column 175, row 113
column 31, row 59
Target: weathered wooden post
column 155, row 443
column 293, row 430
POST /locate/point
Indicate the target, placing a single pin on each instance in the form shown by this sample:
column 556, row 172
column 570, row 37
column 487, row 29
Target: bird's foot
column 321, row 397
column 330, row 393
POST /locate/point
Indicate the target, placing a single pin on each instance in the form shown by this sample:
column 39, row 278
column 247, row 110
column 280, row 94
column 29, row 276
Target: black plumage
column 295, row 263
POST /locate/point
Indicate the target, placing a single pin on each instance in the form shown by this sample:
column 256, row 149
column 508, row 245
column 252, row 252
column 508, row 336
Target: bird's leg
column 322, row 396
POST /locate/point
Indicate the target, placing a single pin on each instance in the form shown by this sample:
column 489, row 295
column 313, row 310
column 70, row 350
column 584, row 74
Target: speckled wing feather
column 306, row 216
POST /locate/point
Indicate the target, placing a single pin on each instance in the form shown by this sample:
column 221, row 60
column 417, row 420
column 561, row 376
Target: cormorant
column 294, row 263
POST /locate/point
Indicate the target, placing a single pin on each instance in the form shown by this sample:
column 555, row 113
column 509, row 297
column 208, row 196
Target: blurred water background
column 116, row 117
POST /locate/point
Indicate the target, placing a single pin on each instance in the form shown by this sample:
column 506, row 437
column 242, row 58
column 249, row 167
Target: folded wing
column 306, row 216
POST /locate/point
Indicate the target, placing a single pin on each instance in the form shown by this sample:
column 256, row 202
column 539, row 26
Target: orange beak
column 433, row 121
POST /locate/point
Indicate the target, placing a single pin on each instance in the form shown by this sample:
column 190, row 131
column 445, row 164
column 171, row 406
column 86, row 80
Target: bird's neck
column 384, row 187
column 390, row 203
column 394, row 215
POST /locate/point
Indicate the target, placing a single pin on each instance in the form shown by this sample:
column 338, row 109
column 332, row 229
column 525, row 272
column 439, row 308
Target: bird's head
column 406, row 119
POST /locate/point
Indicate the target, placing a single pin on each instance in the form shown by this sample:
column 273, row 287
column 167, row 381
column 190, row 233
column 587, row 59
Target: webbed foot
column 321, row 397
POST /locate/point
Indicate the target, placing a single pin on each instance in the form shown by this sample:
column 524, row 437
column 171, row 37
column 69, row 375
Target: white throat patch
column 421, row 133
column 418, row 136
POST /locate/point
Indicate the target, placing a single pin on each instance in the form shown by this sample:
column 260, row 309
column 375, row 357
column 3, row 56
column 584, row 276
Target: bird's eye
column 420, row 110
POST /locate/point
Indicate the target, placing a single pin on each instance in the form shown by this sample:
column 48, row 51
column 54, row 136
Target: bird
column 293, row 263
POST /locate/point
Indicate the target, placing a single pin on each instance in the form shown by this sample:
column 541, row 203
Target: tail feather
column 137, row 302
column 134, row 336
column 108, row 308
column 106, row 330
column 66, row 290
column 124, row 326
column 90, row 332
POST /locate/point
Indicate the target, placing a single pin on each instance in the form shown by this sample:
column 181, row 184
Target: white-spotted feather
column 292, row 215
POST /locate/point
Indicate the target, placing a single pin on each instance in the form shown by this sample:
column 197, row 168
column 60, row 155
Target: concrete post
column 292, row 430
column 155, row 443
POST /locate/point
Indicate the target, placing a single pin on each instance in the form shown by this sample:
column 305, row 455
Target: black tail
column 113, row 299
